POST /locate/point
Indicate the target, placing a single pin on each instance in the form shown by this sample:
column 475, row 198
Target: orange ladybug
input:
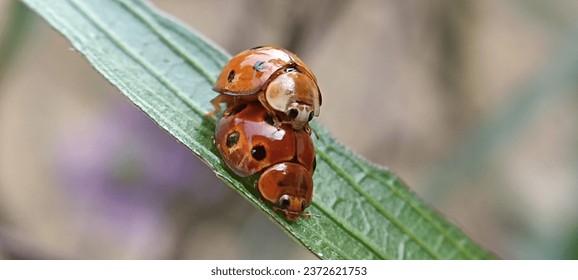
column 249, row 143
column 277, row 78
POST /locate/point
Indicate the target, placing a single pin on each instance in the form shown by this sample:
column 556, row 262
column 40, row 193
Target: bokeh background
column 473, row 103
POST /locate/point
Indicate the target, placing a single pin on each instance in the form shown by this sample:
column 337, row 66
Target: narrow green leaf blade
column 168, row 71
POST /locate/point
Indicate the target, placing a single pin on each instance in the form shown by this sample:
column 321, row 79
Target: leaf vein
column 426, row 216
column 377, row 206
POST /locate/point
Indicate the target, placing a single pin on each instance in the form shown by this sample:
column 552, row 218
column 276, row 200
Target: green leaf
column 168, row 71
column 18, row 25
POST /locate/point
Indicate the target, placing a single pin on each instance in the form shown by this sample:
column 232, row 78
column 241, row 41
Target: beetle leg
column 308, row 129
column 216, row 103
column 285, row 211
column 277, row 122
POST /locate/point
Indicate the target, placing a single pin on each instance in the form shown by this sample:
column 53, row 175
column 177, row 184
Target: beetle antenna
column 314, row 132
column 307, row 215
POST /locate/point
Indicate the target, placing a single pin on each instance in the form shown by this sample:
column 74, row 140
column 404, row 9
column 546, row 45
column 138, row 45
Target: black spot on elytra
column 232, row 139
column 238, row 109
column 259, row 65
column 268, row 119
column 231, row 76
column 257, row 47
column 258, row 152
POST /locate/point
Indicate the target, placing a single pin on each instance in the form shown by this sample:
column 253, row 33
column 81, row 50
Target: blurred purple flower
column 122, row 173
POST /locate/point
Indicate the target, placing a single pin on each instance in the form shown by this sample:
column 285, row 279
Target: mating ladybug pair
column 271, row 96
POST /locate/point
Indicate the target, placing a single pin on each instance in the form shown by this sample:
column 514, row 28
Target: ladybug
column 277, row 78
column 250, row 143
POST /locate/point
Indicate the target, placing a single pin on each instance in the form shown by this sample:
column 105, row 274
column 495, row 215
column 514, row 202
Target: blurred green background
column 472, row 103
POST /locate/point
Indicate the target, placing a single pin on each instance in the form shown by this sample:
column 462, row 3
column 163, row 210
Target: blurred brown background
column 472, row 103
